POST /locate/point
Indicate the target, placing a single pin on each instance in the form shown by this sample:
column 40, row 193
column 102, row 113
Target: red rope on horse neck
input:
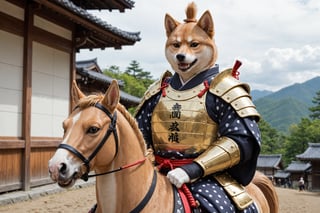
column 133, row 164
column 119, row 169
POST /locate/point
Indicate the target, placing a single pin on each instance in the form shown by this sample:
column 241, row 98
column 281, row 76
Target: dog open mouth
column 185, row 66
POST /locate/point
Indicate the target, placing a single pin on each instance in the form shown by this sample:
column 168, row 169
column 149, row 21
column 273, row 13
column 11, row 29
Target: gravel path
column 82, row 199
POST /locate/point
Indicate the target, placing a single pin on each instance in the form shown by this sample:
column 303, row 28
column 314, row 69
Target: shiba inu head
column 190, row 47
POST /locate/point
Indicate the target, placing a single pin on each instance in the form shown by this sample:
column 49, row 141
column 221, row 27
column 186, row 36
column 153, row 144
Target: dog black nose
column 180, row 57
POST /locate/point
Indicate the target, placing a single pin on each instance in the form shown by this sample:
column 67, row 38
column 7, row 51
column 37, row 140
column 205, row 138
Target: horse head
column 87, row 133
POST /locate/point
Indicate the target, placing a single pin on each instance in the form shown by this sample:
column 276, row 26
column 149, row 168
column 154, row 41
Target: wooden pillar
column 27, row 94
column 73, row 73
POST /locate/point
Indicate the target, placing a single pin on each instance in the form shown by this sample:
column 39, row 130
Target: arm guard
column 223, row 154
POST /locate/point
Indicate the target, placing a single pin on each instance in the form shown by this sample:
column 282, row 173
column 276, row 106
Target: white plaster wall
column 11, row 75
column 50, row 80
column 12, row 10
column 50, row 90
column 51, row 27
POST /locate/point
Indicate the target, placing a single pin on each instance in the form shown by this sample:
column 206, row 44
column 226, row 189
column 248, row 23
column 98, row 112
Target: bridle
column 86, row 161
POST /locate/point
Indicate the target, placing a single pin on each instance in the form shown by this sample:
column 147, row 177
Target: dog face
column 190, row 47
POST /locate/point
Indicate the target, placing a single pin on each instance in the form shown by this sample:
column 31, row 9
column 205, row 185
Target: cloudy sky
column 278, row 41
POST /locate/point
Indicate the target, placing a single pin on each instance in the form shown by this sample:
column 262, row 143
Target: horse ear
column 206, row 23
column 170, row 24
column 112, row 96
column 76, row 93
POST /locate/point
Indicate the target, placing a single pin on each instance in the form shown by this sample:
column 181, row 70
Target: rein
column 120, row 168
column 148, row 196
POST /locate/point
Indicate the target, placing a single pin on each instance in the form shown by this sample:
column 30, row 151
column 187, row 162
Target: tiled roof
column 269, row 161
column 121, row 5
column 89, row 64
column 281, row 174
column 83, row 69
column 124, row 97
column 85, row 14
column 129, row 98
column 311, row 153
column 96, row 76
column 298, row 166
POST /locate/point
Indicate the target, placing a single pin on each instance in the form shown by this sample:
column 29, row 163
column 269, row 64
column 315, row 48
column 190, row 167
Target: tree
column 298, row 139
column 113, row 72
column 272, row 140
column 114, row 69
column 132, row 86
column 315, row 110
column 314, row 131
column 136, row 81
column 133, row 69
column 138, row 73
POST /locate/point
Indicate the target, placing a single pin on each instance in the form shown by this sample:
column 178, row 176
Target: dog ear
column 170, row 24
column 206, row 23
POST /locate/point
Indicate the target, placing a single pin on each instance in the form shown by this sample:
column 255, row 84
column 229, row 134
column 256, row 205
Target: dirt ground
column 81, row 200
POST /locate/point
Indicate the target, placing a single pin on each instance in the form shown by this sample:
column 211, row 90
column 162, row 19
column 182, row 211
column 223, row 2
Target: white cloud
column 280, row 66
column 277, row 41
column 307, row 58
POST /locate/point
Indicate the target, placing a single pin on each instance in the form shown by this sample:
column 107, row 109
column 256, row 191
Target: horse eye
column 93, row 129
column 194, row 44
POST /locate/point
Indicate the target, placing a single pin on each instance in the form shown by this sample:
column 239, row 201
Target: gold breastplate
column 180, row 122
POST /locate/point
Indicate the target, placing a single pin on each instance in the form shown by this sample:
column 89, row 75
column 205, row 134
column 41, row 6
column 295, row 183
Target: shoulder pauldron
column 153, row 89
column 234, row 92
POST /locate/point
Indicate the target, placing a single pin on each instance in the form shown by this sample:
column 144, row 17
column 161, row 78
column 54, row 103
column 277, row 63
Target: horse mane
column 133, row 123
column 91, row 100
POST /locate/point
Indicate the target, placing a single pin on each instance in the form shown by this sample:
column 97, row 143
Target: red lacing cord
column 171, row 164
column 206, row 88
column 235, row 73
column 165, row 163
column 191, row 200
column 163, row 87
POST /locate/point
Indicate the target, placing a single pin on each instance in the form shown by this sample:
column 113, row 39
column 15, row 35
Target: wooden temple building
column 298, row 169
column 39, row 40
column 269, row 164
column 312, row 155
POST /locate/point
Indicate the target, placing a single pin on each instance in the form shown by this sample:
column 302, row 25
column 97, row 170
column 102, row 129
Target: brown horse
column 101, row 136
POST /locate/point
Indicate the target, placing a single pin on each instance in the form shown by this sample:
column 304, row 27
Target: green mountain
column 288, row 105
column 256, row 94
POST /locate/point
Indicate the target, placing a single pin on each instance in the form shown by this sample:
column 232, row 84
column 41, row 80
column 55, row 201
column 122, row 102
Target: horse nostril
column 63, row 168
column 180, row 57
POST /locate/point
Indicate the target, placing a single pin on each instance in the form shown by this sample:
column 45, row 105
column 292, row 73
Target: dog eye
column 194, row 44
column 93, row 129
column 176, row 45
